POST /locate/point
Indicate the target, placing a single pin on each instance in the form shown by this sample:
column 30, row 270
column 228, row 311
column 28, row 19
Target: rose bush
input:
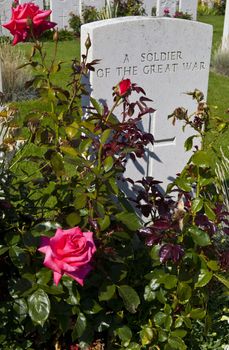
column 28, row 20
column 70, row 252
column 158, row 256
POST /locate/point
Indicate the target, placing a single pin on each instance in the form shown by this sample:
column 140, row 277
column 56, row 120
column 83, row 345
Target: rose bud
column 123, row 88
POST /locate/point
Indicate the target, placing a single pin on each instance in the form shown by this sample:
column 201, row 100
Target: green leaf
column 57, row 163
column 154, row 253
column 73, row 219
column 213, row 265
column 108, row 163
column 124, row 333
column 176, row 343
column 184, row 292
column 149, row 294
column 3, row 249
column 105, row 135
column 159, row 318
column 161, row 296
column 201, row 159
column 169, row 281
column 204, row 278
column 181, row 333
column 74, row 296
column 44, row 275
column 130, row 298
column 104, row 223
column 113, row 185
column 80, row 326
column 12, row 238
column 162, row 336
column 98, row 106
column 130, row 220
column 209, row 211
column 80, row 201
column 179, row 322
column 200, row 237
column 197, row 204
column 71, row 130
column 168, row 322
column 222, row 279
column 19, row 256
column 133, row 346
column 106, row 292
column 187, row 322
column 146, row 335
column 90, row 306
column 39, row 306
column 70, row 151
column 20, row 307
column 154, row 284
column 198, row 313
column 189, row 142
column 183, row 184
column 85, row 145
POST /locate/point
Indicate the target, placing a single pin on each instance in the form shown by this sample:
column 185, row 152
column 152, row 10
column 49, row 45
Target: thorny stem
column 113, row 108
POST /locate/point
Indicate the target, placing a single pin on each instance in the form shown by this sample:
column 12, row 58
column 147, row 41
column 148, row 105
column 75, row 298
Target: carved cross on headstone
column 63, row 20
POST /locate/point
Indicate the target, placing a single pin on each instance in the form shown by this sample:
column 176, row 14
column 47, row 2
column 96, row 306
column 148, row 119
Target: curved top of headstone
column 139, row 19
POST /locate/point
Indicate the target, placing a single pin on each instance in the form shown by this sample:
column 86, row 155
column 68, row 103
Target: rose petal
column 80, row 274
column 50, row 261
column 56, row 277
column 44, row 244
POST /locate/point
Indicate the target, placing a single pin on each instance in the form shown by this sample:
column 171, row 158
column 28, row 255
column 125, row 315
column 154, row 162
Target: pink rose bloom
column 27, row 16
column 69, row 252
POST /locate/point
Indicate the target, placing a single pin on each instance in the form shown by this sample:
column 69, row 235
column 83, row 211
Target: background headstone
column 171, row 5
column 148, row 5
column 0, row 79
column 61, row 10
column 189, row 6
column 225, row 41
column 39, row 3
column 5, row 15
column 167, row 58
column 97, row 4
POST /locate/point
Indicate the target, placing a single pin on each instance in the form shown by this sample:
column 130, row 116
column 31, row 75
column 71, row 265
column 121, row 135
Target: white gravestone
column 148, row 5
column 61, row 10
column 167, row 58
column 0, row 78
column 225, row 41
column 171, row 5
column 5, row 15
column 189, row 6
column 39, row 3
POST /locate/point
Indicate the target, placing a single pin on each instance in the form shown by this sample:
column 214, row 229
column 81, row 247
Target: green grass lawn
column 218, row 89
column 67, row 51
column 218, row 92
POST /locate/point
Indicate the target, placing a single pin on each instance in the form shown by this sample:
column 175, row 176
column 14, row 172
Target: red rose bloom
column 19, row 25
column 124, row 87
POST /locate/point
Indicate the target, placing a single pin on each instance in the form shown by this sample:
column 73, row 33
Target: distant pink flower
column 69, row 252
column 27, row 17
column 166, row 11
